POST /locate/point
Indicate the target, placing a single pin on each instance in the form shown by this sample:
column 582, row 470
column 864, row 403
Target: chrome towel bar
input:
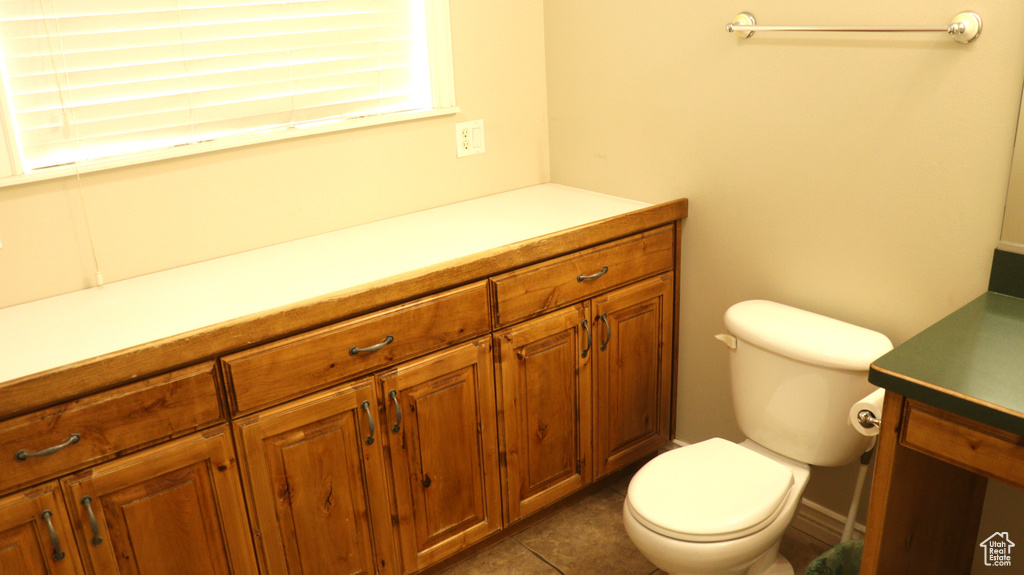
column 965, row 27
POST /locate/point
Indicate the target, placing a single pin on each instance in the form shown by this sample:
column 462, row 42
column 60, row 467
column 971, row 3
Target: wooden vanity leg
column 924, row 513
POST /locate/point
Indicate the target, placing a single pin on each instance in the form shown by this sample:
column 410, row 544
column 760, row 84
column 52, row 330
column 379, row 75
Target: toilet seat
column 715, row 490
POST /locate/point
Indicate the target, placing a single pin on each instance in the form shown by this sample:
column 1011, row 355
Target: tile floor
column 588, row 539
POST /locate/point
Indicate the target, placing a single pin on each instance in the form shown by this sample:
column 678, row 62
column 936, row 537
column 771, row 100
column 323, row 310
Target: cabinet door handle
column 23, row 455
column 594, row 276
column 607, row 332
column 357, row 350
column 590, row 339
column 54, row 539
column 96, row 539
column 398, row 411
column 366, row 407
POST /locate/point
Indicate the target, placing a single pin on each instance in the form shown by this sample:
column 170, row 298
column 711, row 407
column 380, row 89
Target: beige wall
column 861, row 177
column 160, row 215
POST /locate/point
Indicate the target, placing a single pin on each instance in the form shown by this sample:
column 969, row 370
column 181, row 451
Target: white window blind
column 93, row 79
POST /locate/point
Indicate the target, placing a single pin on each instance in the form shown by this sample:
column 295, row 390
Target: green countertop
column 970, row 363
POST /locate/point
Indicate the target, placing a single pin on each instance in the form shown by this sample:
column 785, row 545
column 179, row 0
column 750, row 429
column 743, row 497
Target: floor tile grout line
column 538, row 556
column 790, row 529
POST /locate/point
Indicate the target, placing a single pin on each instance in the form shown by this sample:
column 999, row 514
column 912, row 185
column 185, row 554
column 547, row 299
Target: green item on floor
column 843, row 559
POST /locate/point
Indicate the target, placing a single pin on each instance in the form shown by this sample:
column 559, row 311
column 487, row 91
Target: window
column 94, row 83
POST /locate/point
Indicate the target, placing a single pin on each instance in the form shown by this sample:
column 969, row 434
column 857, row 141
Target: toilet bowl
column 715, row 507
column 718, row 507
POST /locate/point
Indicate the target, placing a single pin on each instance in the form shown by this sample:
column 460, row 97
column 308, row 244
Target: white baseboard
column 819, row 522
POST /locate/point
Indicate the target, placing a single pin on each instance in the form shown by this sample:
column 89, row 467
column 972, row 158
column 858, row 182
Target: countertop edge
column 953, row 402
column 46, row 388
column 939, row 365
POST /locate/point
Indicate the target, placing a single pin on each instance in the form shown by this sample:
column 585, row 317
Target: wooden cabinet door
column 443, row 451
column 543, row 374
column 633, row 330
column 174, row 509
column 35, row 534
column 316, row 484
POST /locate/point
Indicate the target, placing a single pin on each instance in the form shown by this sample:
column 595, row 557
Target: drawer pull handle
column 607, row 332
column 96, row 539
column 23, row 455
column 357, row 350
column 398, row 410
column 590, row 339
column 54, row 539
column 582, row 277
column 366, row 407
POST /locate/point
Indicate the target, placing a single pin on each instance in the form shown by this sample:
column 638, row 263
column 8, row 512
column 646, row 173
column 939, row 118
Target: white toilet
column 718, row 507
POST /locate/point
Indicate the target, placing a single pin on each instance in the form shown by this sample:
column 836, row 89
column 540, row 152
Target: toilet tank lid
column 805, row 336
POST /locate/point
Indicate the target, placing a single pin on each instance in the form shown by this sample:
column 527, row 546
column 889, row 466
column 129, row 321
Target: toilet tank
column 795, row 375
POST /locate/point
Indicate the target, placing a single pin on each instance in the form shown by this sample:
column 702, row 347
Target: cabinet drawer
column 964, row 442
column 107, row 423
column 314, row 360
column 530, row 291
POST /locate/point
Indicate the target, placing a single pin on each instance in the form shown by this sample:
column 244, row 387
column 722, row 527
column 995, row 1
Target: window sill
column 220, row 144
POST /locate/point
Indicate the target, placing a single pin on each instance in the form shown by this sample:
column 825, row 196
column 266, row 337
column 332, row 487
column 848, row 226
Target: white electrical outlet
column 469, row 138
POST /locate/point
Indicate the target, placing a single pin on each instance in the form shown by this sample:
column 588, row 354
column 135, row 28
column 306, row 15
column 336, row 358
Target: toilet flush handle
column 727, row 340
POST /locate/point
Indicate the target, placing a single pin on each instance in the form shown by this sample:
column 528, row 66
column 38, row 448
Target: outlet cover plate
column 469, row 138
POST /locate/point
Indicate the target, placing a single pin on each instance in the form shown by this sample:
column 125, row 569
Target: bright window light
column 89, row 82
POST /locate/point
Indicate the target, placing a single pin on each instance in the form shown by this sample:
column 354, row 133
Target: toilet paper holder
column 867, row 419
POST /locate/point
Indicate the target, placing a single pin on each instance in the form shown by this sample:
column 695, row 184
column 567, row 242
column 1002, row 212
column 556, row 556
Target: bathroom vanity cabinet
column 953, row 417
column 633, row 372
column 301, row 519
column 177, row 505
column 381, row 428
column 585, row 389
column 543, row 370
column 164, row 503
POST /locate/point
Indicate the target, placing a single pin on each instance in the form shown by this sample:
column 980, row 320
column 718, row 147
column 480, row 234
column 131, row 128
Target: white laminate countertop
column 58, row 331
